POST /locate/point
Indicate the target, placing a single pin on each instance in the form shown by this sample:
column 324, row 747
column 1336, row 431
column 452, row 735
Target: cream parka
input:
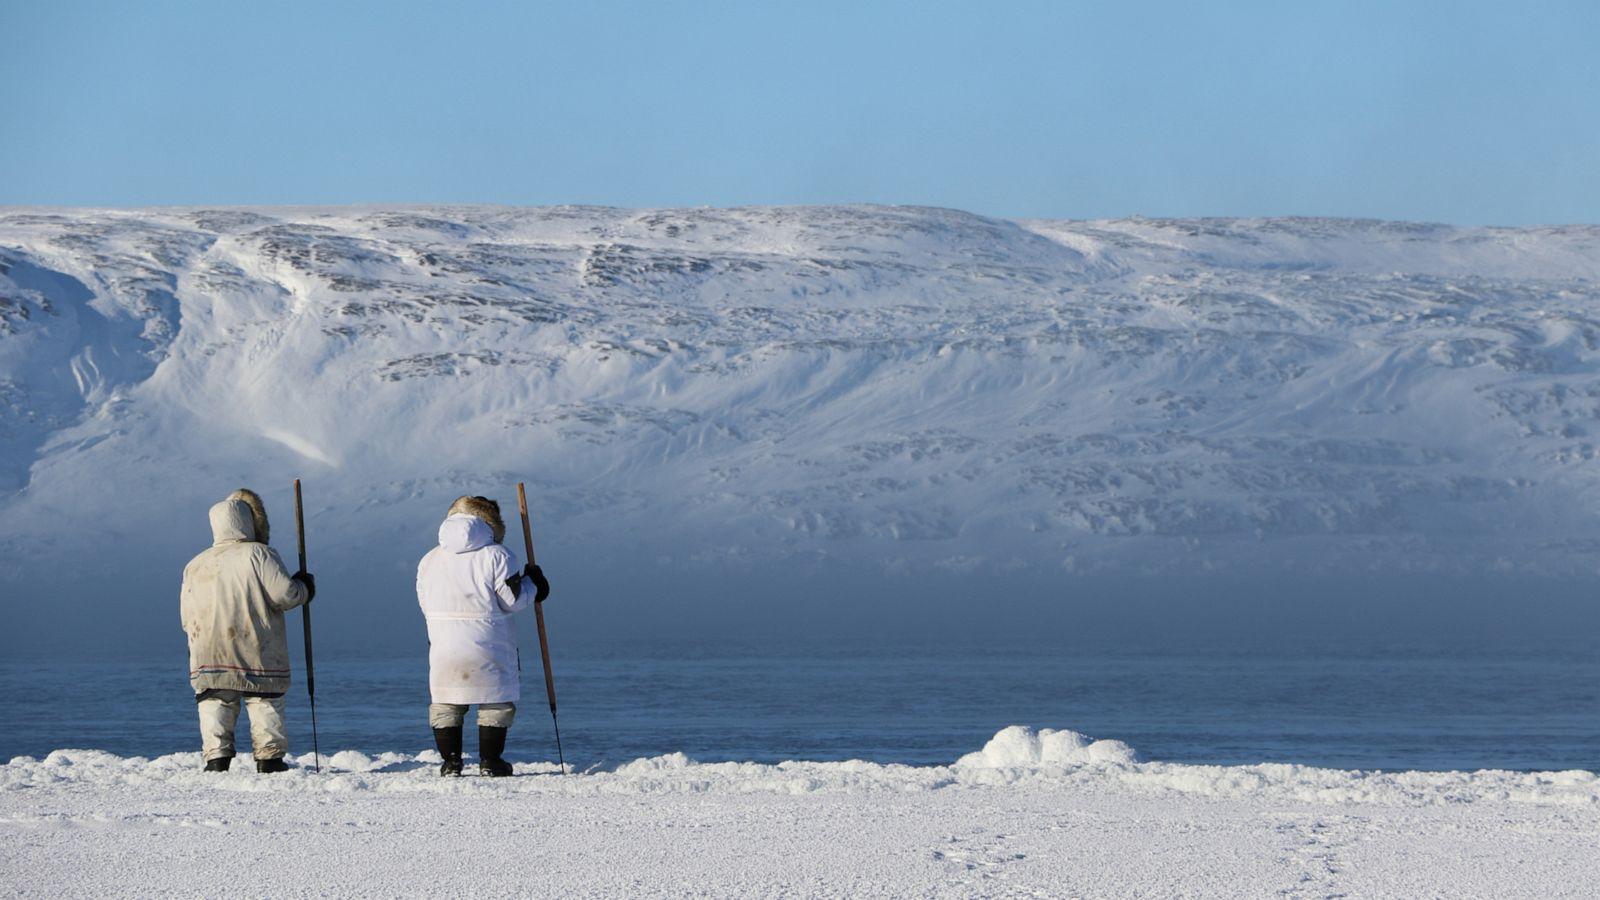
column 232, row 603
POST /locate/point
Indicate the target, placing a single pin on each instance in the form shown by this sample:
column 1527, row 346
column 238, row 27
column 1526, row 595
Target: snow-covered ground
column 884, row 389
column 1031, row 814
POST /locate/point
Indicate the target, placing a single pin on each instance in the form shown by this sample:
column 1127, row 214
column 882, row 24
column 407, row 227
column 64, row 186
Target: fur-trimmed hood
column 462, row 533
column 258, row 513
column 232, row 523
column 481, row 508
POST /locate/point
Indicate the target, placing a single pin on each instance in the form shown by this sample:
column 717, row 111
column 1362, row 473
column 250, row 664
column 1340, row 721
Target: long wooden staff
column 538, row 617
column 305, row 619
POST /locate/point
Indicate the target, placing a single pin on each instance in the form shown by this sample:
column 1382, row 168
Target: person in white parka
column 469, row 587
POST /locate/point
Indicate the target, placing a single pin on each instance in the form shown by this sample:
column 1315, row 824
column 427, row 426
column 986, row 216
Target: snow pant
column 491, row 715
column 219, row 711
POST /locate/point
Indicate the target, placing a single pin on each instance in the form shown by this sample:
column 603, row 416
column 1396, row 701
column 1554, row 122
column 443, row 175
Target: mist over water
column 367, row 606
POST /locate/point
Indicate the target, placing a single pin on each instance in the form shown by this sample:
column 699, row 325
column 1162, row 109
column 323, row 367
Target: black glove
column 310, row 581
column 542, row 587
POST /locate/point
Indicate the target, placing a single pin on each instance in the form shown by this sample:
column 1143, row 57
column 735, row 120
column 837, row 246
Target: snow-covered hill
column 885, row 389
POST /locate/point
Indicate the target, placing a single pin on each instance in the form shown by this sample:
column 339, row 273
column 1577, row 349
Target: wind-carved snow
column 893, row 388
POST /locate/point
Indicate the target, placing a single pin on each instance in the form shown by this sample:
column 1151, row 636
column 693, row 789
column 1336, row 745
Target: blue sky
column 1462, row 112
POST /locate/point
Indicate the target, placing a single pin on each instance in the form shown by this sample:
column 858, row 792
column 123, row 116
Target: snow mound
column 1021, row 747
column 1016, row 758
column 656, row 764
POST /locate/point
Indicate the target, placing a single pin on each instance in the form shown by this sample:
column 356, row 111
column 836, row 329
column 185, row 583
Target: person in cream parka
column 469, row 587
column 232, row 602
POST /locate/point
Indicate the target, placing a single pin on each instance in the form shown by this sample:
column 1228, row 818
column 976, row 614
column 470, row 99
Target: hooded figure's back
column 232, row 603
column 472, row 640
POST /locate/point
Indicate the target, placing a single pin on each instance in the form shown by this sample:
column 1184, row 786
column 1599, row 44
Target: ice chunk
column 1020, row 747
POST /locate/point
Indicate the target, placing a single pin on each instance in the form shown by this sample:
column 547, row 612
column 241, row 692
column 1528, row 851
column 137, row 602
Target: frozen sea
column 1364, row 707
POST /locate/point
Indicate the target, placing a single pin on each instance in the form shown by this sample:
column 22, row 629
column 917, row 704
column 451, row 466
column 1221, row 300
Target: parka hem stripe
column 211, row 670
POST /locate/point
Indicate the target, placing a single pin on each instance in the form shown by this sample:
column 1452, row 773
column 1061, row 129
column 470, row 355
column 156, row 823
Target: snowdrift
column 1017, row 758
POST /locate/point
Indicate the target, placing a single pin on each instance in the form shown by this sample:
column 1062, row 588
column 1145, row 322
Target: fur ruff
column 258, row 513
column 481, row 508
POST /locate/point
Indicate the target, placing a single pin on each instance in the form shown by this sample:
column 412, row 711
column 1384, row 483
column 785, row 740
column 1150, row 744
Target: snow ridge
column 1017, row 757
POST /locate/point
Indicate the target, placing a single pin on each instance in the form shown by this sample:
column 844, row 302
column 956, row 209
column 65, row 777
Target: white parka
column 472, row 640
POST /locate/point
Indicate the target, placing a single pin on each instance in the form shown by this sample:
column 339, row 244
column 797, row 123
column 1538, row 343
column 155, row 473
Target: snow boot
column 492, row 743
column 268, row 766
column 448, row 741
column 220, row 764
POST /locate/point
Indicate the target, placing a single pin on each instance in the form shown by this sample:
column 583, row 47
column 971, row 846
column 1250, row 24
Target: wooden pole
column 538, row 617
column 305, row 620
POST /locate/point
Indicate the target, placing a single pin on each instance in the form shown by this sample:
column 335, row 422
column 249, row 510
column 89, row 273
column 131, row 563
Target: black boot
column 268, row 766
column 220, row 764
column 448, row 740
column 492, row 743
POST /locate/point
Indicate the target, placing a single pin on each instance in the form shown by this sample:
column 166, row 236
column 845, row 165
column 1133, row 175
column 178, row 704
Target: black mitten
column 541, row 585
